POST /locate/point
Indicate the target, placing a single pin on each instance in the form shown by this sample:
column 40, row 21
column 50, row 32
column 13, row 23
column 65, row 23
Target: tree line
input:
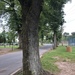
column 33, row 19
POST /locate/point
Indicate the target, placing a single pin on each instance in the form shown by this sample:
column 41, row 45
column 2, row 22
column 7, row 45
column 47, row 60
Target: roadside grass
column 59, row 54
column 10, row 46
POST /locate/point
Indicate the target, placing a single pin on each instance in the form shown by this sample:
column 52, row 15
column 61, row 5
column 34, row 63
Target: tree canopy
column 24, row 16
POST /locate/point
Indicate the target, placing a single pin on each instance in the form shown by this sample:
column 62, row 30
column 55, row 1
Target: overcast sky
column 69, row 10
column 2, row 24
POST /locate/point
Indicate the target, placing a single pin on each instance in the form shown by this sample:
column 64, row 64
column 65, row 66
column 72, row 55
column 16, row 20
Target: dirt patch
column 4, row 50
column 66, row 68
column 7, row 50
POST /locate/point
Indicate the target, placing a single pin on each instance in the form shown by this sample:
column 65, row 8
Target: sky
column 3, row 24
column 69, row 10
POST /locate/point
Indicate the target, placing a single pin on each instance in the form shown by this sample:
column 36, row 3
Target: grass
column 59, row 54
column 49, row 58
column 14, row 46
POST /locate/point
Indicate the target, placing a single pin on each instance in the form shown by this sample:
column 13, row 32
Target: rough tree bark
column 30, row 14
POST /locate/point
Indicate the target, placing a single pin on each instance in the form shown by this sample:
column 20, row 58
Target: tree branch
column 5, row 2
column 21, row 1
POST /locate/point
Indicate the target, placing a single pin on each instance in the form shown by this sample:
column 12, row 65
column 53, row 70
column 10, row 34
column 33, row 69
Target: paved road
column 13, row 61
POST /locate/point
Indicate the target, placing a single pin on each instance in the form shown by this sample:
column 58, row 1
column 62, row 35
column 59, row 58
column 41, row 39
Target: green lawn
column 49, row 58
column 14, row 46
column 59, row 54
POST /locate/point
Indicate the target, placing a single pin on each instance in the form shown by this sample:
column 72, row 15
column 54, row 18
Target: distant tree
column 53, row 10
column 66, row 35
column 73, row 34
column 12, row 9
column 43, row 28
column 59, row 37
column 10, row 36
column 2, row 38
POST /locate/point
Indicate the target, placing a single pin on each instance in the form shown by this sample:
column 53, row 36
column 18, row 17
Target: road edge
column 15, row 71
column 21, row 68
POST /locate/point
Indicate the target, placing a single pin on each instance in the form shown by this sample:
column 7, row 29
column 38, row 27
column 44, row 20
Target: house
column 71, row 41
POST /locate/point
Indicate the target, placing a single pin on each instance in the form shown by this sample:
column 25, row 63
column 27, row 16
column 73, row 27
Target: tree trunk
column 30, row 14
column 57, row 43
column 42, row 36
column 54, row 40
column 20, row 39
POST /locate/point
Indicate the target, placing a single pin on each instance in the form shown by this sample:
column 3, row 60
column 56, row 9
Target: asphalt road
column 12, row 61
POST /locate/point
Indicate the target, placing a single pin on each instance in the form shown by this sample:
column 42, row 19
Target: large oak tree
column 31, row 10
